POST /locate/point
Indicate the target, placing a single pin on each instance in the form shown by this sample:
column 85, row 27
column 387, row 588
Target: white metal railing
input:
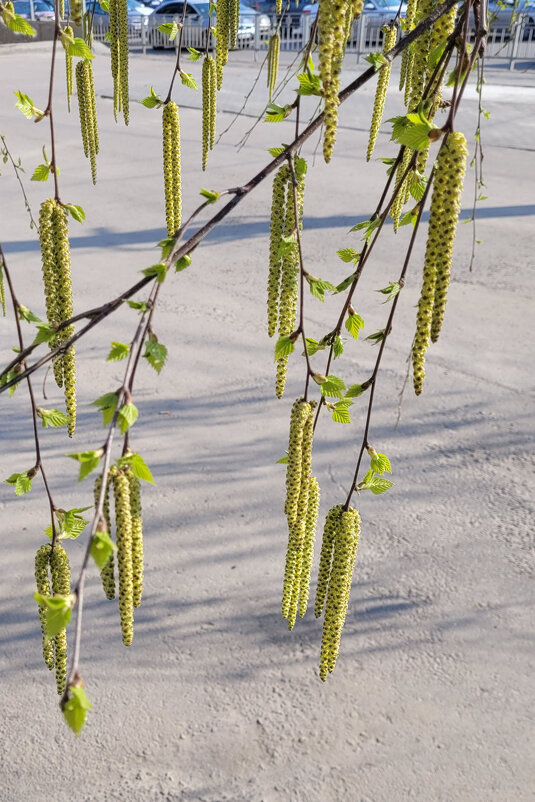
column 515, row 44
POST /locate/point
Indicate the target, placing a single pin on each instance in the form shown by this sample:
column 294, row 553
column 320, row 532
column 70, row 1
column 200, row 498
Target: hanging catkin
column 137, row 537
column 452, row 160
column 123, row 524
column 343, row 560
column 273, row 62
column 289, row 276
column 76, row 8
column 61, row 586
column 331, row 36
column 308, row 545
column 390, row 34
column 278, row 206
column 208, row 107
column 234, row 22
column 118, row 30
column 107, row 574
column 88, row 112
column 406, row 55
column 171, row 167
column 445, row 205
column 326, row 555
column 69, row 35
column 223, row 25
column 42, row 580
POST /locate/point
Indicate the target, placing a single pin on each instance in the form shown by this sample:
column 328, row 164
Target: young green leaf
column 355, row 390
column 284, row 346
column 368, row 226
column 171, row 29
column 102, row 547
column 52, row 417
column 9, row 376
column 379, row 462
column 341, row 415
column 194, row 55
column 377, row 60
column 70, row 524
column 58, row 611
column 376, row 337
column 167, row 246
column 27, row 315
column 155, row 353
column 88, row 461
column 346, row 283
column 75, row 211
column 283, row 460
column 286, row 245
column 390, row 291
column 417, row 186
column 409, row 217
column 300, row 167
column 75, row 708
column 353, row 324
column 210, row 194
column 309, row 84
column 139, row 306
column 313, row 346
column 44, row 334
column 107, row 404
column 41, row 172
column 152, row 101
column 127, row 416
column 277, row 151
column 318, row 287
column 182, row 263
column 25, row 105
column 118, row 351
column 379, row 485
column 338, row 347
column 21, row 482
column 18, row 24
column 332, row 387
column 348, row 254
column 158, row 271
column 79, row 49
column 188, row 79
column 276, row 114
column 138, row 465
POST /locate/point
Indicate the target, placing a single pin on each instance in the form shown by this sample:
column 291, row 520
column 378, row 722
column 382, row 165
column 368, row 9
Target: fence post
column 256, row 44
column 517, row 33
column 32, row 10
column 360, row 23
column 144, row 25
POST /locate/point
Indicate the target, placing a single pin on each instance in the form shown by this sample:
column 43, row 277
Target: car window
column 170, row 8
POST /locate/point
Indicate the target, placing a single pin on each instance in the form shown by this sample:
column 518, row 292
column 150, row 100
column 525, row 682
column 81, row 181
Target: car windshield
column 387, row 3
column 202, row 8
column 24, row 7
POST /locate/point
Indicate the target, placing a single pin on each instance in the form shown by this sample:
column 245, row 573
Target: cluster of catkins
column 337, row 560
column 171, row 167
column 445, row 206
column 390, row 35
column 283, row 279
column 228, row 19
column 301, row 508
column 129, row 540
column 416, row 73
column 209, row 109
column 53, row 577
column 273, row 62
column 335, row 20
column 85, row 89
column 118, row 12
column 55, row 254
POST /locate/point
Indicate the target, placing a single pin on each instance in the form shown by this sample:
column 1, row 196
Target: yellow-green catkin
column 107, row 574
column 298, row 418
column 122, row 14
column 223, row 25
column 406, row 55
column 402, row 183
column 61, row 586
column 344, row 553
column 2, row 289
column 445, row 205
column 68, row 67
column 137, row 537
column 331, row 36
column 308, row 544
column 326, row 556
column 75, row 12
column 278, row 206
column 353, row 12
column 115, row 55
column 48, row 259
column 171, row 167
column 209, row 80
column 441, row 31
column 289, row 278
column 234, row 22
column 273, row 62
column 452, row 160
column 414, row 83
column 42, row 580
column 88, row 112
column 390, row 35
column 123, row 524
column 60, row 236
column 278, row 6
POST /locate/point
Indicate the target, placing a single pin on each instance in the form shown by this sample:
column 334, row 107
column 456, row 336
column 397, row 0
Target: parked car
column 197, row 22
column 41, row 9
